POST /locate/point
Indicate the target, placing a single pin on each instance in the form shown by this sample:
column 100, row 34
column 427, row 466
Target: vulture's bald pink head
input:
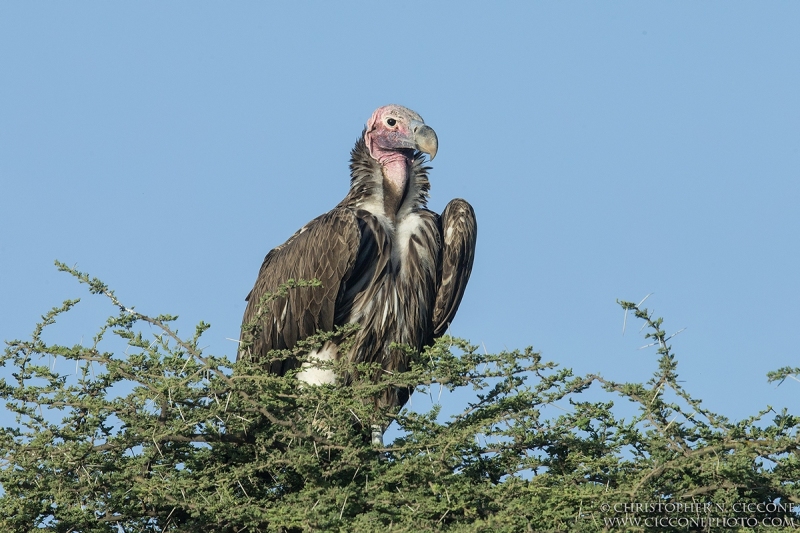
column 394, row 130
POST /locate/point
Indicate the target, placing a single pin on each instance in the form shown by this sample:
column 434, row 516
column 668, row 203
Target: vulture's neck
column 391, row 188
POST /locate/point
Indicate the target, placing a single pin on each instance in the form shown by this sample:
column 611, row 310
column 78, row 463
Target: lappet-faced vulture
column 386, row 262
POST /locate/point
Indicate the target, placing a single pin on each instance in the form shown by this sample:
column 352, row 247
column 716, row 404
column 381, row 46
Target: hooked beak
column 425, row 139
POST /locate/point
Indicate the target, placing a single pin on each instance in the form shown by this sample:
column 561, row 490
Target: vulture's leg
column 377, row 435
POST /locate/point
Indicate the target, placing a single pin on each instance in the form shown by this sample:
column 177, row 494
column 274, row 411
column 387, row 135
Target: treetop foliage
column 162, row 436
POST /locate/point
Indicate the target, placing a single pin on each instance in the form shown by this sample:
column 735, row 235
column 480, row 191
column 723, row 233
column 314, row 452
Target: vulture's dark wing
column 325, row 249
column 459, row 233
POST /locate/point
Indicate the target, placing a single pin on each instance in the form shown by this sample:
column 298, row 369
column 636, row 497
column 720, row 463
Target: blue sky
column 610, row 150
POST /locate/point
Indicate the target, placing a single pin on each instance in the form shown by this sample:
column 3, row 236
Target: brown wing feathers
column 459, row 233
column 325, row 249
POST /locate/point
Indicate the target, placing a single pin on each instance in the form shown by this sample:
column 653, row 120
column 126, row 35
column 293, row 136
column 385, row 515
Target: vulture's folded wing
column 459, row 233
column 324, row 249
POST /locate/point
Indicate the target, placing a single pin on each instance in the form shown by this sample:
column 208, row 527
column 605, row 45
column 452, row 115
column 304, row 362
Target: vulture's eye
column 391, row 122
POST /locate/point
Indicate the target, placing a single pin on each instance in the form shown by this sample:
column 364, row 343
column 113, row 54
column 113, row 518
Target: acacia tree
column 162, row 437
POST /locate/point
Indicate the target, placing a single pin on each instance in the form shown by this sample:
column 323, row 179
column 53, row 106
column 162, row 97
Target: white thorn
column 624, row 321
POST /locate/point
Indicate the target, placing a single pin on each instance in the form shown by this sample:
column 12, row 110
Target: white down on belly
column 313, row 373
